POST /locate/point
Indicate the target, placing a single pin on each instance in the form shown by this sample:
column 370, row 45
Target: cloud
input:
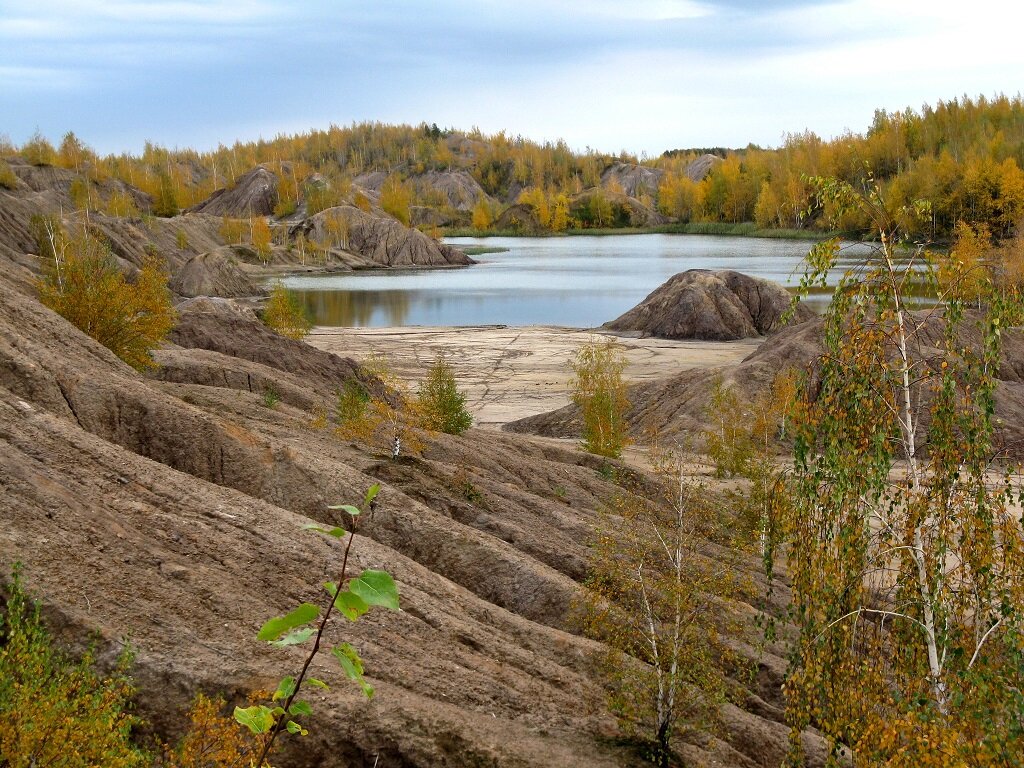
column 642, row 75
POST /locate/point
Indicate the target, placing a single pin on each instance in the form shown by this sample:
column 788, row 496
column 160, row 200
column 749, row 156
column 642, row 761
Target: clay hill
column 169, row 509
column 202, row 258
column 710, row 306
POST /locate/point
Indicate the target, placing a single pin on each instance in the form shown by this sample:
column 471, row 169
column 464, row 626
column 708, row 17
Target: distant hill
column 963, row 159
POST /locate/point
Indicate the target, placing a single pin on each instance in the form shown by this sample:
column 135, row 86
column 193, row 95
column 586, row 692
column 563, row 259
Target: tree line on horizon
column 963, row 157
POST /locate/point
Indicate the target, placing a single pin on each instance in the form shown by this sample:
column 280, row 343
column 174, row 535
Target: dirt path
column 509, row 373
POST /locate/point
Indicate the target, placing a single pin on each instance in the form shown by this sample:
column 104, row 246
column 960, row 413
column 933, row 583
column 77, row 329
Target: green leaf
column 284, row 689
column 300, row 708
column 294, row 727
column 347, row 508
column 351, row 606
column 331, row 587
column 371, row 494
column 337, row 532
column 295, row 637
column 277, row 626
column 316, row 682
column 257, row 719
column 376, row 588
column 350, row 662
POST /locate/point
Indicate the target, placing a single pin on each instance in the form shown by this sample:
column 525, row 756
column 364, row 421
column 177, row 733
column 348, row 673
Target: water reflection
column 573, row 281
column 357, row 309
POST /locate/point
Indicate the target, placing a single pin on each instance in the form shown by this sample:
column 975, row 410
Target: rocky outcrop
column 702, row 166
column 454, row 189
column 253, row 194
column 710, row 306
column 380, row 239
column 632, row 179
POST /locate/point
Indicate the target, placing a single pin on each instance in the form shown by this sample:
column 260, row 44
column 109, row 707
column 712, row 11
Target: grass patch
column 480, row 250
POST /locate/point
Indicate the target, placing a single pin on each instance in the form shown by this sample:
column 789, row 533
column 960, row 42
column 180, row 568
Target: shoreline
column 507, row 373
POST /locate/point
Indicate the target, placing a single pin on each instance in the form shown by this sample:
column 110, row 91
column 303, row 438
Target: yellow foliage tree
column 481, row 214
column 395, row 198
column 285, row 314
column 56, row 711
column 599, row 391
column 82, row 283
column 261, row 236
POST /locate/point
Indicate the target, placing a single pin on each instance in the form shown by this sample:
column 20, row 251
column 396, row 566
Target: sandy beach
column 508, row 373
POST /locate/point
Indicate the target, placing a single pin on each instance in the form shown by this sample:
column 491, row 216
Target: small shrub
column 39, row 151
column 122, row 204
column 285, row 314
column 285, row 207
column 82, row 283
column 213, row 739
column 444, row 407
column 271, row 397
column 362, row 202
column 181, row 240
column 599, row 391
column 8, row 179
column 462, row 485
column 56, row 711
column 232, row 230
column 317, row 418
column 730, row 445
column 319, row 198
column 352, row 401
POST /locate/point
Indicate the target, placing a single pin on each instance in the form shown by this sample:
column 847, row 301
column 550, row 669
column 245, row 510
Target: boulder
column 710, row 306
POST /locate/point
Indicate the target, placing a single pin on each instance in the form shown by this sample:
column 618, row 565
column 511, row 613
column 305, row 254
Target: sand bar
column 508, row 373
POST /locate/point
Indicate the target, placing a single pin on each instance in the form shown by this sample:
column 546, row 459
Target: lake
column 578, row 281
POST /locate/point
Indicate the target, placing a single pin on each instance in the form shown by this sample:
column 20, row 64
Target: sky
column 636, row 75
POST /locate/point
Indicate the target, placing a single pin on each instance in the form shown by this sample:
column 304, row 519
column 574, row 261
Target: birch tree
column 662, row 570
column 903, row 544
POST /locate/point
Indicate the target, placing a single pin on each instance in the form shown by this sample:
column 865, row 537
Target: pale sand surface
column 508, row 373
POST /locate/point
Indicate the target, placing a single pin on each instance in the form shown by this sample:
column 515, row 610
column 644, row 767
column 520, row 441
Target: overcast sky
column 640, row 75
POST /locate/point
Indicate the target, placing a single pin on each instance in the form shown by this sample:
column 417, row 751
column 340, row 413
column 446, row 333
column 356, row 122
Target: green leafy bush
column 600, row 392
column 56, row 711
column 444, row 407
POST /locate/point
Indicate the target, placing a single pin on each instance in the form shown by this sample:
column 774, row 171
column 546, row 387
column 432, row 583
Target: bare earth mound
column 710, row 306
column 215, row 273
column 254, row 194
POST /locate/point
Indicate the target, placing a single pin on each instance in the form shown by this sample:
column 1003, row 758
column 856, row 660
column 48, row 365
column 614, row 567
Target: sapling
column 352, row 597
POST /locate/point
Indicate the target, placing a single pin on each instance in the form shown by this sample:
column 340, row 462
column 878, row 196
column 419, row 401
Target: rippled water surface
column 574, row 281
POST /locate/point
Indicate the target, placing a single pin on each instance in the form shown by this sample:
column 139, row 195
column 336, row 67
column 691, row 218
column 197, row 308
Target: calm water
column 569, row 281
